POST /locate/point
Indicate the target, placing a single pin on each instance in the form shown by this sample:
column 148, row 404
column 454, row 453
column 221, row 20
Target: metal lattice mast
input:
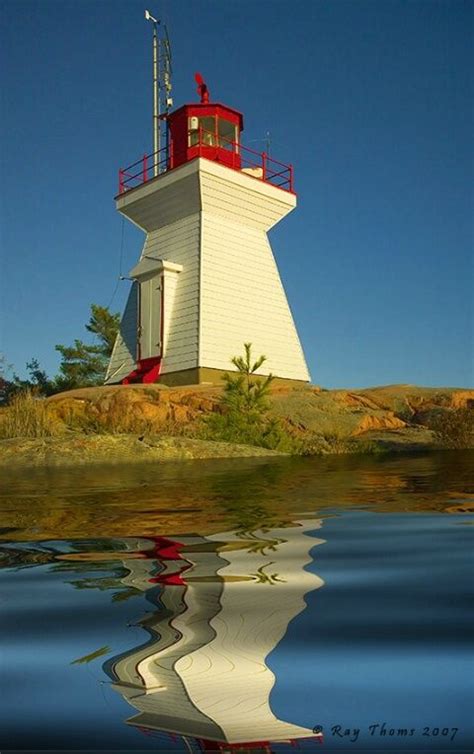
column 162, row 100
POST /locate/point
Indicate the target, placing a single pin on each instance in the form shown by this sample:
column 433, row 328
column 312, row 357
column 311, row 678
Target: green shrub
column 244, row 409
column 337, row 442
column 454, row 427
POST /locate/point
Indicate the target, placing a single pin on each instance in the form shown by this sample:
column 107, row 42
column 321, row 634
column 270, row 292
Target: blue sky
column 371, row 100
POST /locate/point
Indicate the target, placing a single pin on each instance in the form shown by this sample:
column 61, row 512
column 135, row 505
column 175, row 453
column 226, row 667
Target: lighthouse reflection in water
column 221, row 604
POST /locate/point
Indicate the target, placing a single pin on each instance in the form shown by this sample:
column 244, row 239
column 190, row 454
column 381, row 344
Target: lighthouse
column 206, row 281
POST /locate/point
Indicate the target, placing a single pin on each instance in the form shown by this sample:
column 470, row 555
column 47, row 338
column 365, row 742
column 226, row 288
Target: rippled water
column 250, row 602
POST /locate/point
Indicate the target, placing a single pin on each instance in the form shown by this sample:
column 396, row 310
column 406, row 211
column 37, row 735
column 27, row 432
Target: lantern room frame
column 189, row 137
column 204, row 130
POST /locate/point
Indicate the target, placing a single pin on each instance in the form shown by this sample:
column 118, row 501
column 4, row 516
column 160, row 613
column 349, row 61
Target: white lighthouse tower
column 207, row 281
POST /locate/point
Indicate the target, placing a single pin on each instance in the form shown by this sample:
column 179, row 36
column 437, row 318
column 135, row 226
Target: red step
column 146, row 372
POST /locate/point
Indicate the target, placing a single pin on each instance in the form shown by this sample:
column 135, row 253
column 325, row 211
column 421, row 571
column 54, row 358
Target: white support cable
column 109, row 377
column 120, row 276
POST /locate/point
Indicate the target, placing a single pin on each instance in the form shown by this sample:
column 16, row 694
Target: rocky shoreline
column 78, row 450
column 136, row 423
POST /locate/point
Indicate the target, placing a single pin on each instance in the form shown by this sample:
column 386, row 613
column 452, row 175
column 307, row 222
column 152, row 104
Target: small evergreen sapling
column 244, row 416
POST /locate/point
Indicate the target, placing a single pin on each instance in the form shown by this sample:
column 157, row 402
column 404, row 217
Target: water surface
column 186, row 605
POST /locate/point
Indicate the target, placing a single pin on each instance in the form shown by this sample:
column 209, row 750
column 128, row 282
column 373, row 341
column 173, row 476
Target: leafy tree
column 244, row 416
column 84, row 365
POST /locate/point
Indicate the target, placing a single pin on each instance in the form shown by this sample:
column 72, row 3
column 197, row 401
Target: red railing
column 208, row 144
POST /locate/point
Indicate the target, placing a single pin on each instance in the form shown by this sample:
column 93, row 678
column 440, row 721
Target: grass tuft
column 28, row 416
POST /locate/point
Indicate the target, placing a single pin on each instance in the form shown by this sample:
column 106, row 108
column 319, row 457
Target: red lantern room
column 205, row 130
column 209, row 130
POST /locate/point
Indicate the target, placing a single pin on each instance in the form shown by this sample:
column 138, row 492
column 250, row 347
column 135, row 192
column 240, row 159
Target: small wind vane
column 202, row 89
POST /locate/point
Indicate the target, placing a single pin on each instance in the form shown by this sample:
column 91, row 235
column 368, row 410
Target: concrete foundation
column 206, row 376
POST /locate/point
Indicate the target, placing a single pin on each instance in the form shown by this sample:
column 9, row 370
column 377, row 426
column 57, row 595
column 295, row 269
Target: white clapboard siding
column 213, row 221
column 243, row 300
column 123, row 359
column 178, row 242
column 178, row 193
column 233, row 194
column 242, row 296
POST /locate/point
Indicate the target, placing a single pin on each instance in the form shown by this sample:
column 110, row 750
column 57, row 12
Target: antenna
column 162, row 100
column 268, row 142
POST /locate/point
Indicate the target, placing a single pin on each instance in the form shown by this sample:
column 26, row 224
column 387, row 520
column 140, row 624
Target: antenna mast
column 162, row 100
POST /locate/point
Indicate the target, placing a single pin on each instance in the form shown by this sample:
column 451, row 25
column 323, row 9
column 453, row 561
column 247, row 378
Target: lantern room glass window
column 227, row 133
column 225, row 136
column 207, row 129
